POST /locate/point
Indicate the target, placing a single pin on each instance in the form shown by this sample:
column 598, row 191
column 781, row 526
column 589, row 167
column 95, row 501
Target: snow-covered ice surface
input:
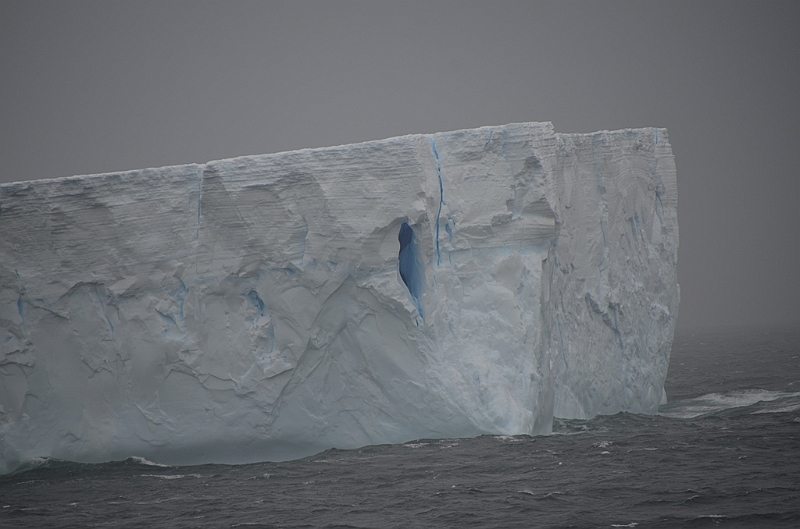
column 269, row 307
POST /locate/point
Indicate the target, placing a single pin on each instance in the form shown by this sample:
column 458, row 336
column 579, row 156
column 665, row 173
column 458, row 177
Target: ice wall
column 268, row 307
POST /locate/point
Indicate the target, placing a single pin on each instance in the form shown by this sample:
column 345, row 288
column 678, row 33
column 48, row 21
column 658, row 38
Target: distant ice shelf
column 269, row 307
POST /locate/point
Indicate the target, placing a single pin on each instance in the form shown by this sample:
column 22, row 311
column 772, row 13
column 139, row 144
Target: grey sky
column 90, row 87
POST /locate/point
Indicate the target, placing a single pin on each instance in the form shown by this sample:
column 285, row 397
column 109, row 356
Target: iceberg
column 270, row 307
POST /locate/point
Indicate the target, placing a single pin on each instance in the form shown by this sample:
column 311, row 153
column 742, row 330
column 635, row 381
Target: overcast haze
column 91, row 87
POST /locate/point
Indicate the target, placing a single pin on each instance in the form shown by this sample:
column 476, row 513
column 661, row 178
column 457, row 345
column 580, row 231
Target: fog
column 101, row 86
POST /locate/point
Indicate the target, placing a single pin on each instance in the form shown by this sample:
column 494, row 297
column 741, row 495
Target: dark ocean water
column 725, row 452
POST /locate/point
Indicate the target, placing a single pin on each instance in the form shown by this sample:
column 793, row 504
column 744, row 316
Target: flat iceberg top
column 546, row 127
column 268, row 307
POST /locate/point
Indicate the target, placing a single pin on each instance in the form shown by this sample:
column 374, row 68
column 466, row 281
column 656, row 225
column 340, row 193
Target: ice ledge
column 266, row 307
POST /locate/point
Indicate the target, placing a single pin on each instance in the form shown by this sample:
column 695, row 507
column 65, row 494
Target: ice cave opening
column 411, row 270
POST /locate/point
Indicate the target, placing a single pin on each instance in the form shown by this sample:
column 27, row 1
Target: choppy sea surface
column 724, row 452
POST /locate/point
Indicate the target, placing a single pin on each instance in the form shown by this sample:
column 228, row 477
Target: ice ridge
column 269, row 307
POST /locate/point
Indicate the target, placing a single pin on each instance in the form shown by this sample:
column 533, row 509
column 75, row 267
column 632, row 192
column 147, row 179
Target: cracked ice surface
column 269, row 307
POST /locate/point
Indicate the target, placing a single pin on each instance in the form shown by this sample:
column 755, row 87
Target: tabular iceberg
column 269, row 307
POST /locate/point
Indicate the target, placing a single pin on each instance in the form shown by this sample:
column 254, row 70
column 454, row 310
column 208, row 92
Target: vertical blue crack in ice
column 305, row 243
column 441, row 198
column 616, row 328
column 199, row 198
column 21, row 309
column 20, row 305
column 604, row 261
column 658, row 207
column 103, row 310
column 180, row 299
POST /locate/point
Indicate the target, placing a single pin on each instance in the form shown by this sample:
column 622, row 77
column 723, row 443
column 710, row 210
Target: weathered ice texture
column 268, row 307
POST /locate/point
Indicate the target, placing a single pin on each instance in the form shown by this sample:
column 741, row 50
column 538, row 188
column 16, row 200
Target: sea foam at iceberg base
column 270, row 307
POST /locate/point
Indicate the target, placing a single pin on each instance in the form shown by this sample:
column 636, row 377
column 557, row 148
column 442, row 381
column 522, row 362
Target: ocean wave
column 36, row 463
column 143, row 461
column 171, row 476
column 713, row 403
column 53, row 463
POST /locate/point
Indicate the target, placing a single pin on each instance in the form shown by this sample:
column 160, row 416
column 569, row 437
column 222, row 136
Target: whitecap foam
column 35, row 462
column 507, row 439
column 782, row 409
column 171, row 476
column 143, row 461
column 717, row 402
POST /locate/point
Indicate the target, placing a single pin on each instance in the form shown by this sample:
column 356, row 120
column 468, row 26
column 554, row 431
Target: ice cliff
column 268, row 307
